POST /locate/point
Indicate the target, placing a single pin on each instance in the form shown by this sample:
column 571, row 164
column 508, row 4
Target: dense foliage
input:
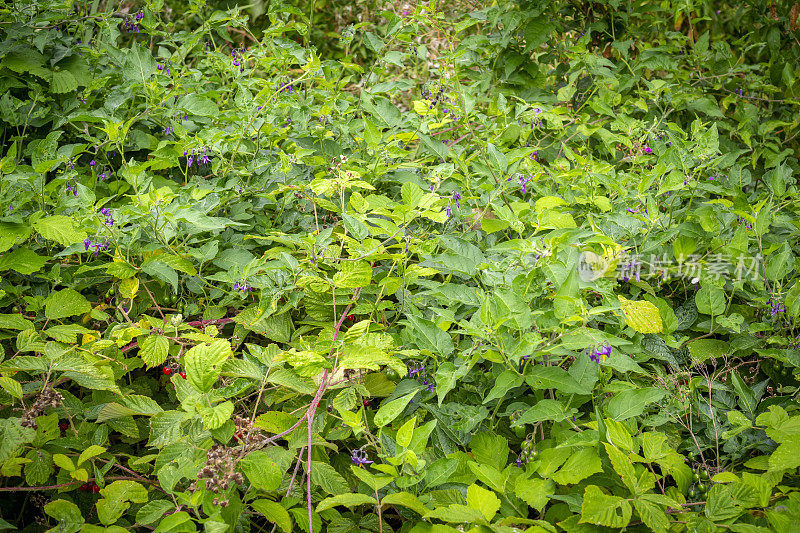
column 355, row 266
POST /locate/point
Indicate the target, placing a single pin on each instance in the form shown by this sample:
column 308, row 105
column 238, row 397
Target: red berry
column 85, row 487
column 183, row 375
column 95, row 488
column 166, row 371
column 366, row 402
column 63, row 426
column 350, row 318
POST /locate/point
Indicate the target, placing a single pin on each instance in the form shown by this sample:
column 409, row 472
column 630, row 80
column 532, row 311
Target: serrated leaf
column 154, row 350
column 603, row 510
column 275, row 513
column 63, row 82
column 65, row 303
column 22, row 260
column 59, row 228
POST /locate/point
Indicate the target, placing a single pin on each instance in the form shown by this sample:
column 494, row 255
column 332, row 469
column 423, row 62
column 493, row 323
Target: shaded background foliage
column 323, row 265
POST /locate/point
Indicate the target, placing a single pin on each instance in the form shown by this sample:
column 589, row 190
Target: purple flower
column 91, row 163
column 776, row 307
column 103, row 175
column 415, row 370
column 87, row 242
column 167, row 130
column 191, row 159
column 428, row 385
column 73, row 189
column 11, row 206
column 598, row 354
column 106, row 212
column 359, row 457
column 647, row 150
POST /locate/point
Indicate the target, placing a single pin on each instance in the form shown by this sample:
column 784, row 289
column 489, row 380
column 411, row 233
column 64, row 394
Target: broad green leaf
column 535, row 492
column 710, row 300
column 601, row 509
column 346, row 500
column 406, row 500
column 153, row 350
column 544, row 410
column 641, row 316
column 22, row 260
column 261, row 471
column 65, row 303
column 390, row 410
column 553, row 377
column 59, row 228
column 275, row 513
column 204, row 363
column 632, row 402
column 483, row 500
column 353, row 274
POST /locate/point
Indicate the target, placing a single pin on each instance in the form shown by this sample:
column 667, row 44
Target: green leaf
column 710, row 300
column 497, row 159
column 406, row 500
column 652, row 515
column 63, row 82
column 139, row 65
column 347, row 500
column 59, row 228
column 578, row 467
column 204, row 363
column 504, row 382
column 353, row 274
column 198, row 105
column 544, row 410
column 535, row 492
column 371, row 134
column 275, row 513
column 154, row 350
column 428, row 336
column 67, row 514
column 553, row 377
column 162, row 271
column 641, row 316
column 22, row 260
column 92, row 451
column 15, row 321
column 11, row 386
column 632, row 402
column 215, row 417
column 388, row 411
column 116, row 497
column 483, row 500
column 330, row 480
column 601, row 509
column 153, row 511
column 434, row 145
column 65, row 303
column 703, row 349
column 262, row 472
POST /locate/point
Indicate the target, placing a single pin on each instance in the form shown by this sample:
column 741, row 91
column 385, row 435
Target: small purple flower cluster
column 131, row 24
column 435, row 98
column 597, row 354
column 776, row 307
column 646, row 149
column 740, row 92
column 242, row 286
column 457, row 198
column 415, row 370
column 285, row 86
column 167, row 130
column 89, row 243
column 72, row 187
column 103, row 175
column 238, row 61
column 523, row 181
column 359, row 457
column 164, row 68
column 742, row 221
column 201, row 155
column 106, row 212
column 81, row 99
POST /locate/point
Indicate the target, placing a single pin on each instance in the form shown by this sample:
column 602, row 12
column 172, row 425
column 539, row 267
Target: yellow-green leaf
column 641, row 316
